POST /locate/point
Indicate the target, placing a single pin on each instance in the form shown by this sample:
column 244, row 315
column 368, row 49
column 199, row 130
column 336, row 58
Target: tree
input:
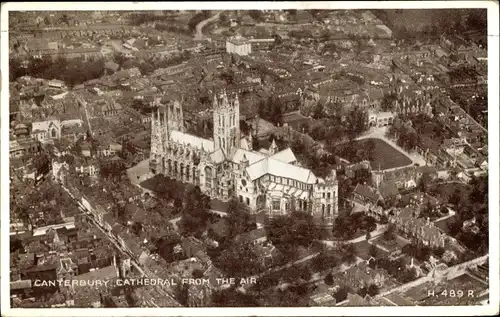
column 390, row 232
column 15, row 245
column 224, row 20
column 373, row 250
column 136, row 228
column 197, row 18
column 181, row 293
column 255, row 143
column 329, row 279
column 323, row 262
column 423, row 184
column 119, row 58
column 195, row 213
column 197, row 273
column 341, row 294
column 289, row 232
column 239, row 260
column 256, row 15
column 350, row 253
column 356, row 122
column 232, row 298
column 372, row 290
column 239, row 218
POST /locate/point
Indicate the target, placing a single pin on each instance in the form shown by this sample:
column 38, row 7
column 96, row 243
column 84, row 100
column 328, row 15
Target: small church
column 226, row 166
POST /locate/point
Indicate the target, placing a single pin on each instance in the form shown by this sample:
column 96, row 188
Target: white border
column 493, row 124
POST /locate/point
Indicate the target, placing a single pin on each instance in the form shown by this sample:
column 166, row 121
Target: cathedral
column 268, row 181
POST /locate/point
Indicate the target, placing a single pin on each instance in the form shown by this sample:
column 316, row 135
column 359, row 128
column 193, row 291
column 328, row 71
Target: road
column 114, row 240
column 199, row 36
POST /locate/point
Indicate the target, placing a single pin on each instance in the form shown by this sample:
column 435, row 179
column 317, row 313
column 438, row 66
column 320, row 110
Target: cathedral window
column 248, row 201
column 241, row 199
column 328, row 195
column 276, row 204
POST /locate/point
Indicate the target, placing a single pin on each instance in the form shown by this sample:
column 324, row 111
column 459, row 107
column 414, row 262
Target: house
column 380, row 118
column 429, row 149
column 421, row 201
column 404, row 178
column 111, row 67
column 361, row 276
column 267, row 253
column 470, row 226
column 322, row 299
column 24, row 146
column 388, row 190
column 109, row 150
column 46, row 130
column 419, row 230
column 365, row 195
column 88, row 168
column 54, row 83
column 192, row 246
column 238, row 45
column 350, row 170
column 21, row 130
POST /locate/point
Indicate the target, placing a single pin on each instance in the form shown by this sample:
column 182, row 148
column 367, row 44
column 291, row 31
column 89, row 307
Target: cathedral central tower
column 226, row 117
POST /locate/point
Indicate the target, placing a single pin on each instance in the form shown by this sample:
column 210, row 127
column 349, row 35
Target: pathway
column 279, row 268
column 450, row 214
column 375, row 233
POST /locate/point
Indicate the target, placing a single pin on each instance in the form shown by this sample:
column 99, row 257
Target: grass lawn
column 392, row 245
column 363, row 249
column 386, row 156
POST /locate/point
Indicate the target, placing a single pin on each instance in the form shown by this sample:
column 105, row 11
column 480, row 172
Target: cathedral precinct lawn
column 385, row 156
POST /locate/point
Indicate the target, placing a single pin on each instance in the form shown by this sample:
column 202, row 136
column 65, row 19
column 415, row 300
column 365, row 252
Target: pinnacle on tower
column 273, row 148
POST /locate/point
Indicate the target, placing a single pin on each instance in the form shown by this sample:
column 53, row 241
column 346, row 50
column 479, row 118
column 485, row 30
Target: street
column 114, row 240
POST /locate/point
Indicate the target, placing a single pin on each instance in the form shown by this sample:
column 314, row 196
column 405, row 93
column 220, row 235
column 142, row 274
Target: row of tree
column 71, row 71
column 406, row 137
column 347, row 226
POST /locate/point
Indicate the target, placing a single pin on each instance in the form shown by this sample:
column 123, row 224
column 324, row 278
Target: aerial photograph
column 248, row 158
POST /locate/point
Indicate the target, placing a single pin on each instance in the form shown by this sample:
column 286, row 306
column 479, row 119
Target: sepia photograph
column 221, row 155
